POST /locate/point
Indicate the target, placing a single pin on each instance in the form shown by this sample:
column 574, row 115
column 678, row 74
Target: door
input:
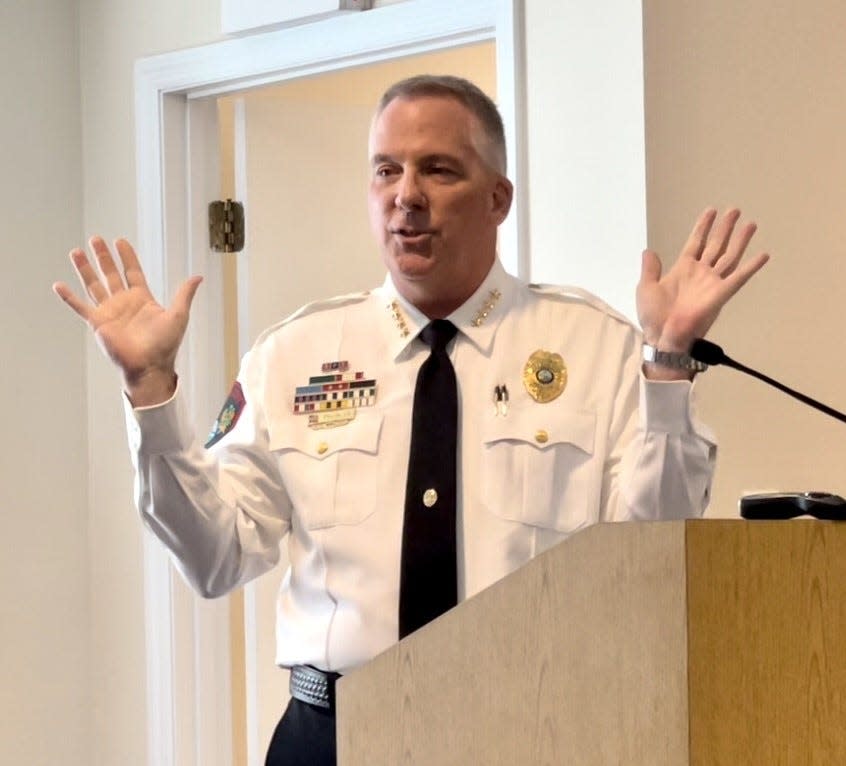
column 301, row 169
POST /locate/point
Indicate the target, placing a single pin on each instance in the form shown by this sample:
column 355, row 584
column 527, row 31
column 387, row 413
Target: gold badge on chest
column 545, row 376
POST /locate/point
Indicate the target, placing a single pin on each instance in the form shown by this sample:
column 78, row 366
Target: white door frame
column 188, row 699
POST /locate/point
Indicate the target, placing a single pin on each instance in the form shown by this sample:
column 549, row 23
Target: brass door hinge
column 226, row 226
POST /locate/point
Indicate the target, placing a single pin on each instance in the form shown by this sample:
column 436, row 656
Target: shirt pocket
column 539, row 467
column 330, row 474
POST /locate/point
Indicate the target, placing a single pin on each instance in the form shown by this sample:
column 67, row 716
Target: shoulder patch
column 569, row 292
column 229, row 414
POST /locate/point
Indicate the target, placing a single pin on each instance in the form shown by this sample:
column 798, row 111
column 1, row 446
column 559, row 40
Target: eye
column 444, row 172
column 384, row 171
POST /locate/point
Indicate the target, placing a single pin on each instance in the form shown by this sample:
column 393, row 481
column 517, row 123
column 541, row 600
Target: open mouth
column 410, row 234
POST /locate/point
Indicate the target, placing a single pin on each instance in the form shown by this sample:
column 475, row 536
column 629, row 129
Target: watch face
column 673, row 359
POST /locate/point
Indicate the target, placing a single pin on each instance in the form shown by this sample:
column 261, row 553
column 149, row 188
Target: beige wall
column 44, row 660
column 744, row 106
column 327, row 116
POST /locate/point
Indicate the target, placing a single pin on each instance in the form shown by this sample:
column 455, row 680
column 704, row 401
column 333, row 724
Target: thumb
column 185, row 294
column 650, row 267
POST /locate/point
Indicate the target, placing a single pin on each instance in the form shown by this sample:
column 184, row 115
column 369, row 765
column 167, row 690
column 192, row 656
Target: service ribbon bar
column 335, row 391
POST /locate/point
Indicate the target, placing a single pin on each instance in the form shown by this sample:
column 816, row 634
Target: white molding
column 245, row 339
column 351, row 40
column 251, row 671
column 239, row 16
column 239, row 160
column 335, row 43
column 165, row 86
column 158, row 609
column 514, row 249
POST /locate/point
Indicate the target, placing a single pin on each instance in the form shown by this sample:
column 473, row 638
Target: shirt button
column 430, row 497
column 541, row 437
column 322, row 448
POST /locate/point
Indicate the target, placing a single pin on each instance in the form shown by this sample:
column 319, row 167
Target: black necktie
column 428, row 580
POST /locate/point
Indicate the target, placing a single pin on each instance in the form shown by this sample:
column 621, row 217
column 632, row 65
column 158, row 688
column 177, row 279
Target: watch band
column 673, row 359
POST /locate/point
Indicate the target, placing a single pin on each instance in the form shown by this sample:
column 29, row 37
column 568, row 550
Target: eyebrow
column 429, row 158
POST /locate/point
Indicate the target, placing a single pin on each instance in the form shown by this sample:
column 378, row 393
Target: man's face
column 434, row 203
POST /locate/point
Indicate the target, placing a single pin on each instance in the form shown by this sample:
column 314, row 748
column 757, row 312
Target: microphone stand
column 778, row 505
column 711, row 354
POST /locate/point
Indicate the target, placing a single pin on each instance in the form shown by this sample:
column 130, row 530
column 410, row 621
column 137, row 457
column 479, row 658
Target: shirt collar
column 477, row 318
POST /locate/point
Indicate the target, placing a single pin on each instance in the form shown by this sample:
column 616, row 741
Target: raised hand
column 139, row 335
column 677, row 308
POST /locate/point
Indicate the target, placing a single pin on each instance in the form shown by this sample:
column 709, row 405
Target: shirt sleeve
column 221, row 511
column 662, row 460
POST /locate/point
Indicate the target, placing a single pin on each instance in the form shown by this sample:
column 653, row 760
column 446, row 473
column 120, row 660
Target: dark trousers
column 304, row 737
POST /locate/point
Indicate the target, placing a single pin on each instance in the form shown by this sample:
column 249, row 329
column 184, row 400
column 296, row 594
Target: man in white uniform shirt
column 561, row 423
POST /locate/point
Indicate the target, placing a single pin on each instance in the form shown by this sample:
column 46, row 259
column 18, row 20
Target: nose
column 410, row 195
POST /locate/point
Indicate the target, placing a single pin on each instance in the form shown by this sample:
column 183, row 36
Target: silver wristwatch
column 674, row 359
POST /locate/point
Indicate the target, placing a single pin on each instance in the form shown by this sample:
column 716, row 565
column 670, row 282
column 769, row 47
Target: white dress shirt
column 612, row 446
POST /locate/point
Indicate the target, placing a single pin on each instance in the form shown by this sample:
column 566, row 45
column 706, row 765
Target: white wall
column 584, row 95
column 113, row 34
column 44, row 660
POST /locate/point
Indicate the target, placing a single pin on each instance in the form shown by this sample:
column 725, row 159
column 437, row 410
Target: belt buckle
column 312, row 686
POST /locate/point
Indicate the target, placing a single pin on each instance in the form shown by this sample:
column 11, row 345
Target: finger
column 185, row 295
column 728, row 262
column 720, row 237
column 70, row 298
column 699, row 234
column 88, row 276
column 131, row 265
column 746, row 271
column 106, row 263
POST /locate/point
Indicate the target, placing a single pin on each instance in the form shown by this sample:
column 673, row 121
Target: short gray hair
column 467, row 94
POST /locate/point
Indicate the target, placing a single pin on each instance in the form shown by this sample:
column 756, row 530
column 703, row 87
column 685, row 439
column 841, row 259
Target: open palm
column 134, row 330
column 680, row 306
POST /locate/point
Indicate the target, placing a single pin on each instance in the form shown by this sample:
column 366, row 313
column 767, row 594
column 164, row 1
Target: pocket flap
column 543, row 427
column 360, row 434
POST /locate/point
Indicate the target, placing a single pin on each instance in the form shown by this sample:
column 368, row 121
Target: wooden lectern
column 697, row 642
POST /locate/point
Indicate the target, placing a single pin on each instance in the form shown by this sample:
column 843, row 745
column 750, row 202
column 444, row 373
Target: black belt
column 316, row 687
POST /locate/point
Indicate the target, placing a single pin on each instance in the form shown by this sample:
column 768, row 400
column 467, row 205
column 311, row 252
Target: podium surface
column 647, row 643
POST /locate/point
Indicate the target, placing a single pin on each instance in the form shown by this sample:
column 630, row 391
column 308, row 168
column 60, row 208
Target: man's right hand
column 139, row 335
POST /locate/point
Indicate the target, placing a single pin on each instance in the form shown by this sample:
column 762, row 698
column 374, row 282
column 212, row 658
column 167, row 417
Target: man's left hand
column 677, row 308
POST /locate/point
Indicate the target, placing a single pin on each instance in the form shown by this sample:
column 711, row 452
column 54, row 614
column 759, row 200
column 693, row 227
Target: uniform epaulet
column 570, row 292
column 326, row 304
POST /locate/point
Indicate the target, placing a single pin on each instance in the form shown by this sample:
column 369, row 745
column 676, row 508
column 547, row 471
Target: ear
column 503, row 193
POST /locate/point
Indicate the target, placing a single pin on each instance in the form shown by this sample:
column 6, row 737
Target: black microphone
column 710, row 353
column 777, row 505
